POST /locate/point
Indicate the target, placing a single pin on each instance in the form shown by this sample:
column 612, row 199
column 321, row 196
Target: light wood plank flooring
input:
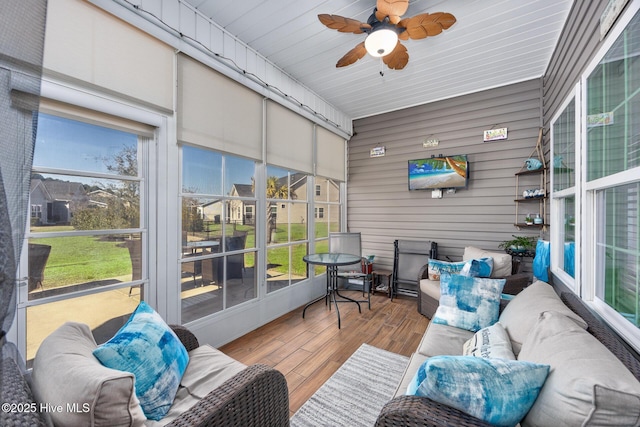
column 308, row 351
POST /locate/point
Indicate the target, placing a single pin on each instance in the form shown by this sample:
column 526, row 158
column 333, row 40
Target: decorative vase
column 533, row 164
column 537, row 219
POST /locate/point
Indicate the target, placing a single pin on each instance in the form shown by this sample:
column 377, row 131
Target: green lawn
column 82, row 259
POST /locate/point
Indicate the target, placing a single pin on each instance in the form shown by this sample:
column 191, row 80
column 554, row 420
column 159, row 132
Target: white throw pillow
column 491, row 343
column 501, row 260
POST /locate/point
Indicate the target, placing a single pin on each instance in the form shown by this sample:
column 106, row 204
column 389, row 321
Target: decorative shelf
column 525, row 179
column 525, row 225
column 531, row 172
column 529, row 199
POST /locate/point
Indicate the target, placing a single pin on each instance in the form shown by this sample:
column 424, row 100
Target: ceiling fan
column 385, row 29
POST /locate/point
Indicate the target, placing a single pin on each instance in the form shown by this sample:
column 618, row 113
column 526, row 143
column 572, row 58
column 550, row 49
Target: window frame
column 107, row 108
column 589, row 195
column 558, row 197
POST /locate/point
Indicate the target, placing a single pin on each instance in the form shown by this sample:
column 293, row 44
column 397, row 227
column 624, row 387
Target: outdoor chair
column 38, row 257
column 408, row 258
column 135, row 253
column 212, row 269
column 356, row 274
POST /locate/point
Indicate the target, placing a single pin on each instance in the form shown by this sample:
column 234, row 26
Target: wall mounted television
column 439, row 172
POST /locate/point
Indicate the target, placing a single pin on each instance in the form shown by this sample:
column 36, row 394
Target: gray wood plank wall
column 577, row 45
column 379, row 204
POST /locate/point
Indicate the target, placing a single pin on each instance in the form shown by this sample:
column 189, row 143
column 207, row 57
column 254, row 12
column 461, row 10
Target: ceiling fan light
column 381, row 42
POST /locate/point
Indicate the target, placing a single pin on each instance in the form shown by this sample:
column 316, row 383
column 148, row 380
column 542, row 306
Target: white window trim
column 588, row 204
column 558, row 197
column 84, row 98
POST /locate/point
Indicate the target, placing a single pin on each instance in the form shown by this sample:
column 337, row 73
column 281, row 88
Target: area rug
column 356, row 392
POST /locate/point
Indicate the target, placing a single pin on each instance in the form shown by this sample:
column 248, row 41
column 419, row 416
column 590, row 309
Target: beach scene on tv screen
column 438, row 172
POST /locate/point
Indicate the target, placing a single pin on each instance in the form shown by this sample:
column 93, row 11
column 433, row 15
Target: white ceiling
column 493, row 43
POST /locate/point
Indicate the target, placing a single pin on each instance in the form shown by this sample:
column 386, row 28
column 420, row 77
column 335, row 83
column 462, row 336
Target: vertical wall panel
column 383, row 209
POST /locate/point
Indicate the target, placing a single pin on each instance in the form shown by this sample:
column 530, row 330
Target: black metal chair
column 352, row 275
column 408, row 258
column 38, row 257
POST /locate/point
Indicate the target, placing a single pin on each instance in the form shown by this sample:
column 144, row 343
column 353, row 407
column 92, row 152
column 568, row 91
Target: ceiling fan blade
column 342, row 24
column 394, row 9
column 352, row 56
column 425, row 25
column 398, row 58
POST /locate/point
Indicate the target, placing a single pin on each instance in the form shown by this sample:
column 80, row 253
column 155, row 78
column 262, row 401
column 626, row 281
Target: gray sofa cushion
column 441, row 340
column 208, row 368
column 521, row 314
column 414, row 363
column 587, row 384
column 65, row 371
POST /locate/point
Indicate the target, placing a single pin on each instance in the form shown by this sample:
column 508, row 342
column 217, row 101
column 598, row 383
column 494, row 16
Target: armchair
column 219, row 392
column 504, row 266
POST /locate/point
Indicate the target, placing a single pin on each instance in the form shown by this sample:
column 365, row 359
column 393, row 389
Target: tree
column 275, row 190
column 121, row 199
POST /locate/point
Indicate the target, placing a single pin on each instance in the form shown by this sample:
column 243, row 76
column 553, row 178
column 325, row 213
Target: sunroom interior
column 185, row 161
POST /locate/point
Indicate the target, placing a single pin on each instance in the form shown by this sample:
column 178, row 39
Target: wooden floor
column 308, row 351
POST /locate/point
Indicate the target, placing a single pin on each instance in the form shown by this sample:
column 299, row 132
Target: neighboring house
column 53, row 201
column 100, row 198
column 211, row 211
column 242, row 211
column 296, row 212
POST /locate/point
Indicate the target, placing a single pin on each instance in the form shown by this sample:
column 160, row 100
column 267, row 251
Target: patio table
column 332, row 261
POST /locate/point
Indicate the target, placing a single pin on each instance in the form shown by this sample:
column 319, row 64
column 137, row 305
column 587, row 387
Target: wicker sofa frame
column 257, row 396
column 420, row 411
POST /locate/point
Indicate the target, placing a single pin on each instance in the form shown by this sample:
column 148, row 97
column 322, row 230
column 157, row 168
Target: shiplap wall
column 379, row 204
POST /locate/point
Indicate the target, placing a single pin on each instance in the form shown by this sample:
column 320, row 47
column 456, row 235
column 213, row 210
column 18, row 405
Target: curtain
column 22, row 27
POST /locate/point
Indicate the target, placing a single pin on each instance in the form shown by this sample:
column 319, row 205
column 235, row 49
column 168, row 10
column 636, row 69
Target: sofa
column 504, row 266
column 68, row 386
column 593, row 377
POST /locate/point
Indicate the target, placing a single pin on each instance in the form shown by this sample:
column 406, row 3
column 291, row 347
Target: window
column 36, row 212
column 218, row 232
column 86, row 246
column 612, row 181
column 327, row 214
column 287, row 225
column 563, row 202
column 318, row 190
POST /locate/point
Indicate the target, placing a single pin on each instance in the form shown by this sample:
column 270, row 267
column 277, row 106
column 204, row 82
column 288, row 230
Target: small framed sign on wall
column 495, row 134
column 377, row 152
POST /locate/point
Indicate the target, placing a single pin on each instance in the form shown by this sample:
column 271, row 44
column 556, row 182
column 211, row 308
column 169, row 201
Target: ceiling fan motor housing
column 382, row 36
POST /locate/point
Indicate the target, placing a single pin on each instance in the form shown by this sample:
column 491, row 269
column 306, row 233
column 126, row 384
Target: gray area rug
column 356, row 393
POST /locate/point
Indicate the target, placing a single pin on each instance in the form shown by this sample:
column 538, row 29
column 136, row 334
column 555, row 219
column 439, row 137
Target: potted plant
column 528, row 220
column 519, row 244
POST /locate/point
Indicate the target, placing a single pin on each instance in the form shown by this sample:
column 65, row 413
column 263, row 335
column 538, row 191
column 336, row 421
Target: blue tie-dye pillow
column 436, row 268
column 497, row 391
column 147, row 347
column 478, row 267
column 470, row 303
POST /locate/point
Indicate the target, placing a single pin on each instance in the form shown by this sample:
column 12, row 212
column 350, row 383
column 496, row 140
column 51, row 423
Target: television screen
column 438, row 172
